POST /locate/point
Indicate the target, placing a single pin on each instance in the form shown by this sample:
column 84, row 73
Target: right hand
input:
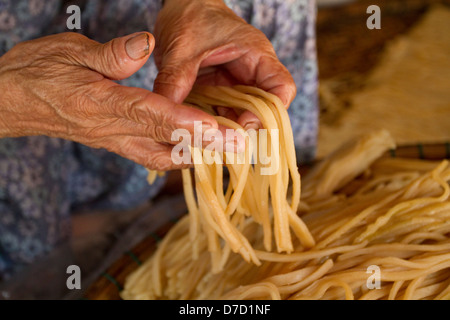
column 205, row 42
column 61, row 86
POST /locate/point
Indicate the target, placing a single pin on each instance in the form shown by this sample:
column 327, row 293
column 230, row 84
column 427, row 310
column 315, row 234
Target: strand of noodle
column 282, row 234
column 288, row 137
column 237, row 243
column 394, row 289
column 375, row 294
column 194, row 216
column 325, row 286
column 445, row 294
column 157, row 265
column 412, row 287
column 259, row 290
column 263, row 185
column 354, row 221
column 300, row 229
column 307, row 255
column 383, row 249
column 384, row 219
column 422, row 236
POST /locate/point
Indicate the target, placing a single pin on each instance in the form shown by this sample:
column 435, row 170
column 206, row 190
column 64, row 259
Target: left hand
column 205, row 42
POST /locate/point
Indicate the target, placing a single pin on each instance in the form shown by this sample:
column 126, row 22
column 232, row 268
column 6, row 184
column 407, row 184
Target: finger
column 227, row 113
column 266, row 72
column 215, row 76
column 249, row 120
column 221, row 55
column 146, row 152
column 273, row 77
column 117, row 59
column 176, row 78
column 160, row 115
column 161, row 157
column 233, row 141
column 117, row 127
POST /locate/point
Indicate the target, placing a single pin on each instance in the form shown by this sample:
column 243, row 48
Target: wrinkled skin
column 207, row 43
column 61, row 85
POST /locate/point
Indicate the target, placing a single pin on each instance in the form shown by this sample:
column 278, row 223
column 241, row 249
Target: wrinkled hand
column 204, row 42
column 61, row 86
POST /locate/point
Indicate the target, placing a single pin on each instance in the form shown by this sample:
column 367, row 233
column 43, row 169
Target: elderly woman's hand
column 61, row 86
column 205, row 42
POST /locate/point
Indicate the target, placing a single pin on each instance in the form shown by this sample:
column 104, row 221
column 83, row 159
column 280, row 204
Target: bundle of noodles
column 395, row 218
column 256, row 193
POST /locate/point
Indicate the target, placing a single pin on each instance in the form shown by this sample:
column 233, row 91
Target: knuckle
column 136, row 108
column 19, row 48
column 293, row 89
column 132, row 112
column 157, row 120
column 157, row 132
column 119, row 102
column 73, row 43
column 174, row 81
column 83, row 106
column 72, row 37
column 164, row 128
column 150, row 162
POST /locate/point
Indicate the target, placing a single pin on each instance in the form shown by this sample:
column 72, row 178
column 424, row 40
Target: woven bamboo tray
column 109, row 285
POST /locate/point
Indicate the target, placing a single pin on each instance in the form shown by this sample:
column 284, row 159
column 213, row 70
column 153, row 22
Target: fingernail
column 252, row 125
column 138, row 47
column 222, row 111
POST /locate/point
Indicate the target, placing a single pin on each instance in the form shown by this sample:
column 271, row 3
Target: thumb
column 175, row 79
column 121, row 57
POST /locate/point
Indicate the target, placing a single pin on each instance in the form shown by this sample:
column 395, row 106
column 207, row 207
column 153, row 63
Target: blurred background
column 396, row 78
